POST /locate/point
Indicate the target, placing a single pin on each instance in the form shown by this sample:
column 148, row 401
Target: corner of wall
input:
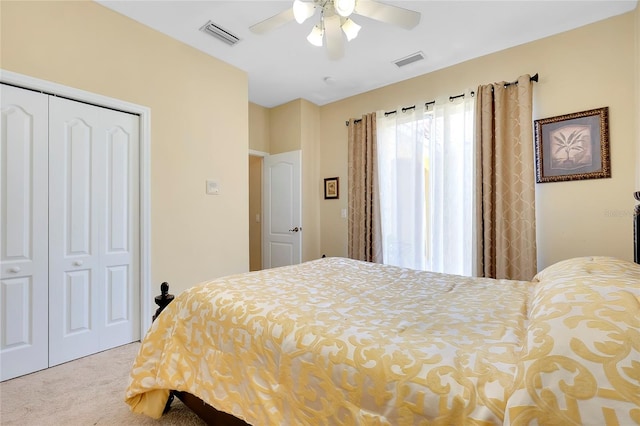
column 259, row 128
column 637, row 84
column 310, row 143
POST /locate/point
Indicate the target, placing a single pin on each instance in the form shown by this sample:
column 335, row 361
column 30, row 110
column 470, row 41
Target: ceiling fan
column 335, row 19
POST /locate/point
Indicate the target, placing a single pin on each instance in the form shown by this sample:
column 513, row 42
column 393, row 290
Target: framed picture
column 331, row 188
column 573, row 146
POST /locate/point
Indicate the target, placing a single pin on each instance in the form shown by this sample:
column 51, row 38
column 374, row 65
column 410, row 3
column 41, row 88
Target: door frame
column 32, row 83
column 261, row 155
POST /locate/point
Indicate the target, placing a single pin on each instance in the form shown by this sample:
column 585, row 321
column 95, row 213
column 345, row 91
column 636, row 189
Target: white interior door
column 282, row 210
column 93, row 230
column 23, row 232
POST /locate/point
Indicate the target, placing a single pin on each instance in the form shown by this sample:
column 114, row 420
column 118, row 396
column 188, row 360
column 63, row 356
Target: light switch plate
column 213, row 187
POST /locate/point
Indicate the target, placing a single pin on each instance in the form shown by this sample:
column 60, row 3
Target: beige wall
column 86, row 46
column 259, row 128
column 590, row 67
column 285, row 122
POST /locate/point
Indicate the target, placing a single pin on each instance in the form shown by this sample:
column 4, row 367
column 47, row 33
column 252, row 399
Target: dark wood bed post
column 210, row 415
column 636, row 229
column 163, row 299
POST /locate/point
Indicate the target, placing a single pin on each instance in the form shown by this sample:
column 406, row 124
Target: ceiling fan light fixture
column 344, row 8
column 315, row 36
column 302, row 10
column 350, row 29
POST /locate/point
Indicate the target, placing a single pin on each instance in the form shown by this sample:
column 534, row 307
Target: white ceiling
column 282, row 66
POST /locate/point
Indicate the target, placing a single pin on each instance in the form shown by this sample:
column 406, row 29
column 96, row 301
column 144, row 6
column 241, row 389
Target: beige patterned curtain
column 506, row 187
column 364, row 205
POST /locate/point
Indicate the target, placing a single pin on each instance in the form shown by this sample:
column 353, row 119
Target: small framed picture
column 573, row 146
column 331, row 188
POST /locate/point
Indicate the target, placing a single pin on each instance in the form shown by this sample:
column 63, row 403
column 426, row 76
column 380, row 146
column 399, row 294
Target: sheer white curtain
column 451, row 186
column 401, row 179
column 426, row 175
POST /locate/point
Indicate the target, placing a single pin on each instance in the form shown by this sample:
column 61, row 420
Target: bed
column 338, row 341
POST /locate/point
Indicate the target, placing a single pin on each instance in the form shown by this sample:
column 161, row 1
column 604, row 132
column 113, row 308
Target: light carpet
column 87, row 391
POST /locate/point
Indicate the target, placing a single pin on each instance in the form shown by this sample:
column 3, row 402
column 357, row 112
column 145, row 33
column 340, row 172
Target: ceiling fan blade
column 387, row 13
column 333, row 37
column 272, row 23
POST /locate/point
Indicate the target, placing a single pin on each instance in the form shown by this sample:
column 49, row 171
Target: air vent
column 219, row 33
column 415, row 57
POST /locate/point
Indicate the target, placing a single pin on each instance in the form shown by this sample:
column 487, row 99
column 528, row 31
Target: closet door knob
column 15, row 269
column 78, row 263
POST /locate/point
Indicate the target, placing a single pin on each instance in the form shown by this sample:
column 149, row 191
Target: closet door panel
column 78, row 231
column 119, row 181
column 120, row 252
column 16, row 311
column 75, row 213
column 17, row 183
column 23, row 231
column 77, row 174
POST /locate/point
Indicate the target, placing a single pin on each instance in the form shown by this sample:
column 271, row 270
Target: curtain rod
column 532, row 78
column 451, row 99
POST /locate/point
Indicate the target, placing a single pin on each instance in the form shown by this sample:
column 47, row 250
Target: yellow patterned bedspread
column 338, row 341
column 581, row 365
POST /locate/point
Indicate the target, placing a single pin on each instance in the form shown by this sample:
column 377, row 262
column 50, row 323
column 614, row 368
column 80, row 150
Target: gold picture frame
column 331, row 188
column 573, row 146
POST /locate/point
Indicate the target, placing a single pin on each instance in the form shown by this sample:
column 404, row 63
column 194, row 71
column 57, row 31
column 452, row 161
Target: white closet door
column 23, row 251
column 120, row 242
column 93, row 235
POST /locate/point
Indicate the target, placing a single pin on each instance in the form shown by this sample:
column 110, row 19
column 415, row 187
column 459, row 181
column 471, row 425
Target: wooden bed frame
column 215, row 417
column 210, row 415
column 636, row 229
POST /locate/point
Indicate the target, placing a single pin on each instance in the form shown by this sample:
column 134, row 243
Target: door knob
column 15, row 269
column 294, row 229
column 78, row 263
